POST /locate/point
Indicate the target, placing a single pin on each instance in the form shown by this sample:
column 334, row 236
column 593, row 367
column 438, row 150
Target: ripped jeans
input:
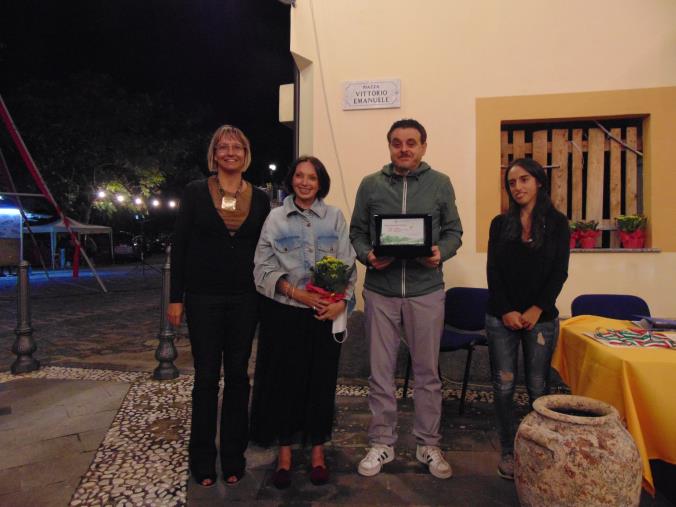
column 503, row 348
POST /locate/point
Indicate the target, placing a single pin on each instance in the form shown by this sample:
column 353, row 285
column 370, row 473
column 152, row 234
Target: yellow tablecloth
column 639, row 382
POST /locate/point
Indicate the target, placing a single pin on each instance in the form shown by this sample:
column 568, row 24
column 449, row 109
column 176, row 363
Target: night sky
column 227, row 56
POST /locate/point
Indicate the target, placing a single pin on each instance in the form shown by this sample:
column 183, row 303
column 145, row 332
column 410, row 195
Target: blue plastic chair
column 465, row 320
column 613, row 306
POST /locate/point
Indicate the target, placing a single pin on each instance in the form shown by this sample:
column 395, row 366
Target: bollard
column 24, row 345
column 166, row 351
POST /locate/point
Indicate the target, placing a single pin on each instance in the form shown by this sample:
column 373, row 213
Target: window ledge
column 615, row 250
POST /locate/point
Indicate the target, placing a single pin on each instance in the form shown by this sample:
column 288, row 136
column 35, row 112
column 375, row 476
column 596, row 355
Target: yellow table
column 639, row 382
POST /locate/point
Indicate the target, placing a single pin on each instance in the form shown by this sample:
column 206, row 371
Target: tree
column 87, row 134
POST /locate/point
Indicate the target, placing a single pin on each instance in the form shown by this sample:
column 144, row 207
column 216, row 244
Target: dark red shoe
column 281, row 479
column 319, row 476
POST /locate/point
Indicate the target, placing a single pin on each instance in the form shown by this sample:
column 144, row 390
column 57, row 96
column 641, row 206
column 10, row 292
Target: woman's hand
column 175, row 314
column 332, row 311
column 310, row 299
column 512, row 320
column 530, row 317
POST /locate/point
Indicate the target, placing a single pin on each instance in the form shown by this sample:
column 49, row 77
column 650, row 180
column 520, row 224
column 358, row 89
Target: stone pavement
column 92, row 428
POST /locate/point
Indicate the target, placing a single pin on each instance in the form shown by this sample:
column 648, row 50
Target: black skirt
column 295, row 381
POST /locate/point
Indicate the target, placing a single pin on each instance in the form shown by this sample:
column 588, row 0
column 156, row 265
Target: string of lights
column 153, row 202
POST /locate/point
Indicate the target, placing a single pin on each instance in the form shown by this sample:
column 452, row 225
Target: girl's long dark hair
column 543, row 205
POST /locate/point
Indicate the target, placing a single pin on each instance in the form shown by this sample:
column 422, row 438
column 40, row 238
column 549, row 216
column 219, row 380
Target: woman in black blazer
column 213, row 247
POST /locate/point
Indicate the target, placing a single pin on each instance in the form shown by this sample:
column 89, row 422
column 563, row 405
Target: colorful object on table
column 330, row 277
column 657, row 323
column 633, row 338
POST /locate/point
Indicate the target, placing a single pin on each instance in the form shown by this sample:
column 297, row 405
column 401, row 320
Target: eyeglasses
column 230, row 147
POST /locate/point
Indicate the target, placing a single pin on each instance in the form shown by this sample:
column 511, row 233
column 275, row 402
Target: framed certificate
column 403, row 236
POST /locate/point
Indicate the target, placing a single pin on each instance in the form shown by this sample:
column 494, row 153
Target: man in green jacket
column 405, row 293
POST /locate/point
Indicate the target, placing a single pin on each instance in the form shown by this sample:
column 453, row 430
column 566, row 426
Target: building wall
column 450, row 55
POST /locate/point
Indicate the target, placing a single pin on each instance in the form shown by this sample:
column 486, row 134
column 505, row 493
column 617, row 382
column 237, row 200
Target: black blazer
column 205, row 258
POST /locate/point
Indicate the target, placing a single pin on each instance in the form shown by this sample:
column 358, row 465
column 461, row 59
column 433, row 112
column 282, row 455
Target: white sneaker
column 432, row 456
column 374, row 460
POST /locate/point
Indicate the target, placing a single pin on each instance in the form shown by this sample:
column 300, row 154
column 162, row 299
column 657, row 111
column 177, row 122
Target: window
column 595, row 167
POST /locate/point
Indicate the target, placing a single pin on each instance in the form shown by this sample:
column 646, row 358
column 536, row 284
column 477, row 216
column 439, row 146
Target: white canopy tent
column 58, row 226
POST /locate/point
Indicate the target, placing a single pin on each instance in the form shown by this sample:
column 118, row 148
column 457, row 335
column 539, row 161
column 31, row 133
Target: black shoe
column 281, row 479
column 205, row 480
column 237, row 475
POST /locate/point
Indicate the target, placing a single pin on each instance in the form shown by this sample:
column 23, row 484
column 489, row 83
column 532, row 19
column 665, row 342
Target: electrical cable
column 326, row 106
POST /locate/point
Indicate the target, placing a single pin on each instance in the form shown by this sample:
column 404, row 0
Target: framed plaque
column 403, row 236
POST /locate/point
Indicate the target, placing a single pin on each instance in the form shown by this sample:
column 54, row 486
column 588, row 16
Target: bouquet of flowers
column 330, row 277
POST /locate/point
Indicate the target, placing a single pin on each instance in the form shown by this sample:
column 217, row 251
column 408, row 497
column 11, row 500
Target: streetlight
column 120, row 198
column 101, row 194
column 172, row 204
column 155, row 203
column 272, row 167
column 138, row 201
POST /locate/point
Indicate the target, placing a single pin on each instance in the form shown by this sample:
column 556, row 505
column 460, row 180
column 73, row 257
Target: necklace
column 228, row 200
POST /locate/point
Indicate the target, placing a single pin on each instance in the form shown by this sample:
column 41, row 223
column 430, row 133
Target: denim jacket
column 293, row 241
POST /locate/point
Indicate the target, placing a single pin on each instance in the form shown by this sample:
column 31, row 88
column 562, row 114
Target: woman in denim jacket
column 297, row 361
column 528, row 252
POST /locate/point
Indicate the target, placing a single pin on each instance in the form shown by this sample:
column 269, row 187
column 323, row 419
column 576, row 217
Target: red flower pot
column 574, row 238
column 634, row 239
column 588, row 238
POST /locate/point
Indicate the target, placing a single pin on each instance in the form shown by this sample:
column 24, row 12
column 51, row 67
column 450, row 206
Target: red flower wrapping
column 588, row 234
column 637, row 234
column 334, row 297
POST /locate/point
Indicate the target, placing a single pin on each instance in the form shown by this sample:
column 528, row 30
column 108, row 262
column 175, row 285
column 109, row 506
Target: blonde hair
column 228, row 130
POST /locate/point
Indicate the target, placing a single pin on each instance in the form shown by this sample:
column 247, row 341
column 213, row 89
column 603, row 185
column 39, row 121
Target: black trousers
column 221, row 329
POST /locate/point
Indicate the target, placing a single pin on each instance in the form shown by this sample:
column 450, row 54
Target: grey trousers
column 422, row 318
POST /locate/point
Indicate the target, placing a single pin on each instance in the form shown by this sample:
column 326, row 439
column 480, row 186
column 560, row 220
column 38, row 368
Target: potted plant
column 632, row 230
column 587, row 232
column 574, row 234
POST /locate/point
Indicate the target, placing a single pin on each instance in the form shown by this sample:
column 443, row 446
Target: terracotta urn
column 574, row 451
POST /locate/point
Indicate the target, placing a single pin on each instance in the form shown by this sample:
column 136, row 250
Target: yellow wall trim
column 659, row 176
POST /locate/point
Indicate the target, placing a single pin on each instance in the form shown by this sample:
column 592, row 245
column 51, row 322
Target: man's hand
column 530, row 317
column 379, row 263
column 513, row 321
column 175, row 313
column 431, row 262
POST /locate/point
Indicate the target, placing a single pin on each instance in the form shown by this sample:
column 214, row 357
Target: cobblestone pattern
column 143, row 459
column 75, row 320
column 61, row 373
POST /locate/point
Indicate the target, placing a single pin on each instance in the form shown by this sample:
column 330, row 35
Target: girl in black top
column 528, row 252
column 214, row 241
